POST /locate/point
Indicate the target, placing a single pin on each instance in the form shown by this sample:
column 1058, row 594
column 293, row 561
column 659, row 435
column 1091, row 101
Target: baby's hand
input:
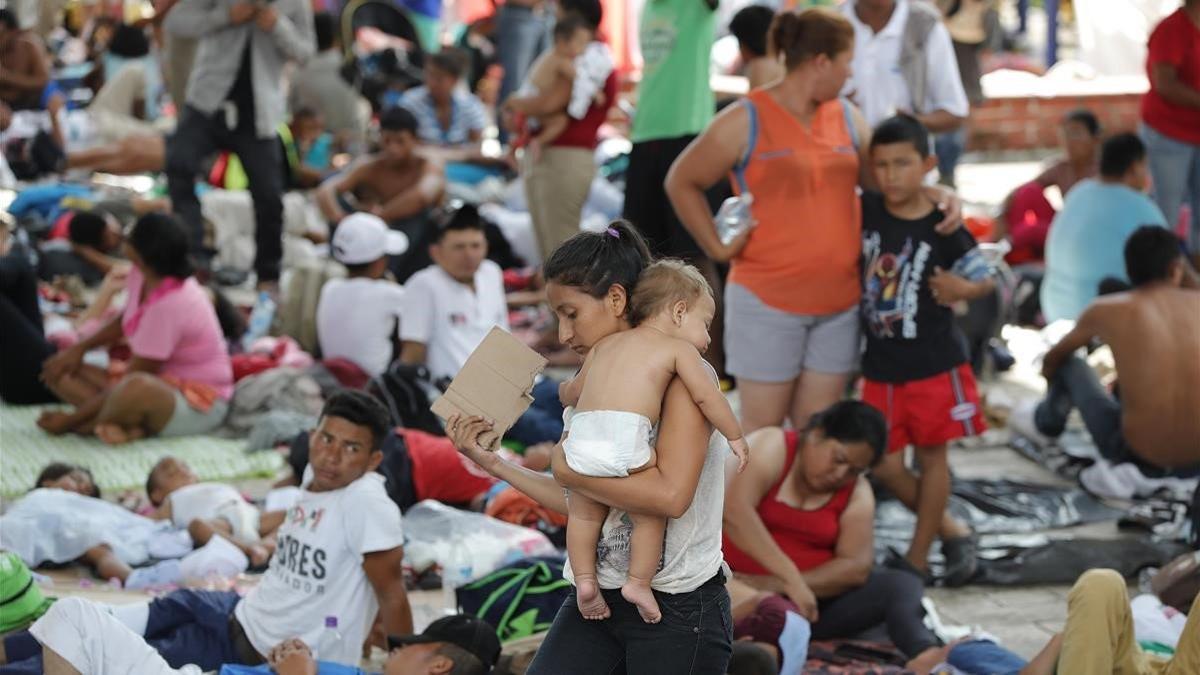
column 741, row 448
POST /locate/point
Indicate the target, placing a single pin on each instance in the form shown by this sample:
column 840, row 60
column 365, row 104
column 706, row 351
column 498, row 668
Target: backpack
column 520, row 599
column 401, row 388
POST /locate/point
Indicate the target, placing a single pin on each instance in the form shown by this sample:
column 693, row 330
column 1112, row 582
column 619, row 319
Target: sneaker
column 1020, row 422
column 961, row 560
column 896, row 561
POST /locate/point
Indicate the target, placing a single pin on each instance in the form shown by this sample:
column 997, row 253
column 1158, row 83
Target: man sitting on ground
column 450, row 306
column 339, row 555
column 398, row 184
column 1086, row 238
column 91, row 250
column 356, row 316
column 1152, row 332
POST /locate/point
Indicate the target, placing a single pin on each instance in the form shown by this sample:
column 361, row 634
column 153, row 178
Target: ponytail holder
column 613, row 232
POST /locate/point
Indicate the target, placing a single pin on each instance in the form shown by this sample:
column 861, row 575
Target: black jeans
column 196, row 138
column 646, row 203
column 23, row 346
column 694, row 637
column 890, row 597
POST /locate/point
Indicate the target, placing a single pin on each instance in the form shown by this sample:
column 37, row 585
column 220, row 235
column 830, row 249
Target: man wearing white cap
column 357, row 316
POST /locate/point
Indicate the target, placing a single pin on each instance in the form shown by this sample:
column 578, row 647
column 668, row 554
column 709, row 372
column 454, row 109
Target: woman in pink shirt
column 180, row 378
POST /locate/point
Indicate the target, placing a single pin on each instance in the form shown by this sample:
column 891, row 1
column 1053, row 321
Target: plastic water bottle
column 329, row 642
column 260, row 319
column 734, row 217
column 457, row 570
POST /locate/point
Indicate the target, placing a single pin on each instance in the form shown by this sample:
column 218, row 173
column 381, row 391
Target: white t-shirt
column 317, row 569
column 207, row 501
column 356, row 319
column 878, row 85
column 451, row 318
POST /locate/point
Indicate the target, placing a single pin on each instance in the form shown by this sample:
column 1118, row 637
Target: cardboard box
column 496, row 383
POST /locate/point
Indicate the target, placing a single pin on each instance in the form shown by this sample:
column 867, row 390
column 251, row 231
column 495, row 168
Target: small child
column 610, row 432
column 69, row 477
column 555, row 68
column 210, row 509
column 916, row 367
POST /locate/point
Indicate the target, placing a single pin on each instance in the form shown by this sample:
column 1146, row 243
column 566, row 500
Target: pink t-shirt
column 179, row 327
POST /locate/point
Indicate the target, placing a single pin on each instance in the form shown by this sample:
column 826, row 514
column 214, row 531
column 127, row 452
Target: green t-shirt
column 675, row 98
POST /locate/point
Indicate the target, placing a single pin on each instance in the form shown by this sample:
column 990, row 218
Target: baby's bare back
column 547, row 72
column 630, row 371
column 1155, row 338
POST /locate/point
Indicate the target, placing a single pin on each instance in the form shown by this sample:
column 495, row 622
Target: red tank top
column 808, row 537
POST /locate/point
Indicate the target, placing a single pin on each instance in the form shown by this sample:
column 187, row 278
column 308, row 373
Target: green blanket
column 25, row 450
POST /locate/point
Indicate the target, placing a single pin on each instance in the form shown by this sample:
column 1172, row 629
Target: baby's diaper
column 607, row 443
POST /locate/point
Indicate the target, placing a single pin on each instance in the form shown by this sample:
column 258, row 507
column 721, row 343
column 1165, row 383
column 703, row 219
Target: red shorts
column 928, row 412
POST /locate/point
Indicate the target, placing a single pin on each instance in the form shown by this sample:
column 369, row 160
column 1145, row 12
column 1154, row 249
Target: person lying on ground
column 915, row 367
column 79, row 637
column 180, row 378
column 589, row 280
column 208, row 510
column 610, row 429
column 1152, row 331
column 399, row 183
column 340, row 555
column 798, row 537
column 1099, row 635
column 102, row 536
column 90, row 251
column 358, row 317
column 1086, row 238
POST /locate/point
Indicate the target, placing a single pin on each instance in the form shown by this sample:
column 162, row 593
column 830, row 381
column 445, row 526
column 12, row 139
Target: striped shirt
column 467, row 114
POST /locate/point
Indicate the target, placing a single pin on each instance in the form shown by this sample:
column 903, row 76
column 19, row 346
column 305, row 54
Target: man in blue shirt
column 1088, row 236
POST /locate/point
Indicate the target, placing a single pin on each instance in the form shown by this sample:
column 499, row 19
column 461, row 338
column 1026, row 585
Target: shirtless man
column 399, row 184
column 396, row 183
column 1152, row 331
column 24, row 72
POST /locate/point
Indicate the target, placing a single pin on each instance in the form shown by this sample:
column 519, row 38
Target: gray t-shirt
column 692, row 551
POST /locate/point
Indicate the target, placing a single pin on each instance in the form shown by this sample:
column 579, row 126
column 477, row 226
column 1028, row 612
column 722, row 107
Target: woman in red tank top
column 798, row 536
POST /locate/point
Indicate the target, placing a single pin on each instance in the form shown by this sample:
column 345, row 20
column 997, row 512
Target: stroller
column 373, row 72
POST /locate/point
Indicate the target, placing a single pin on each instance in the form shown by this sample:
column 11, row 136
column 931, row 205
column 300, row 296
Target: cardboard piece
column 495, row 383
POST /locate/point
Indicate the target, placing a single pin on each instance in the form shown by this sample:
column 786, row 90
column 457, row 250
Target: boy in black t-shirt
column 916, row 368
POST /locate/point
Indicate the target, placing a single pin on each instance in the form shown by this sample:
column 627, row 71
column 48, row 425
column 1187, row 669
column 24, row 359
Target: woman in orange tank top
column 791, row 302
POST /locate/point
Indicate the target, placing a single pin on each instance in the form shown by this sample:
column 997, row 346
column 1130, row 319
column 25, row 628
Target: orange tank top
column 803, row 255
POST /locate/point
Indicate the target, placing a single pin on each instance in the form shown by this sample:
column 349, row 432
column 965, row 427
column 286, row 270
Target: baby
column 610, row 432
column 210, row 509
column 555, row 68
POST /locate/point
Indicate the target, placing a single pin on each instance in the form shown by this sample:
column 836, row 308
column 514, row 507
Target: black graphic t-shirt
column 909, row 335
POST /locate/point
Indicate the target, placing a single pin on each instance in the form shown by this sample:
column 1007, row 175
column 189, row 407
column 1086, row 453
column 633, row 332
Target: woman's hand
column 465, row 433
column 799, row 592
column 559, row 467
column 66, row 362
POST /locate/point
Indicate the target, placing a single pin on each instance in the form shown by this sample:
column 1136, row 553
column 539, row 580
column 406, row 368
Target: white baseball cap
column 363, row 238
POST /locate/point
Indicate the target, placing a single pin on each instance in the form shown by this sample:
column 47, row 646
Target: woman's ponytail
column 594, row 261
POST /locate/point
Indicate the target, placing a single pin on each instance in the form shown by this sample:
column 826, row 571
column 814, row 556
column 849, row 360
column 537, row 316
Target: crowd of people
column 700, row 536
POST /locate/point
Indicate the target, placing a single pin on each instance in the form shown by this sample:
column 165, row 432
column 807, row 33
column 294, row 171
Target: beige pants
column 556, row 187
column 1099, row 636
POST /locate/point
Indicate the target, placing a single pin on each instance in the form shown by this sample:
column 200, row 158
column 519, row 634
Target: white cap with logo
column 362, row 238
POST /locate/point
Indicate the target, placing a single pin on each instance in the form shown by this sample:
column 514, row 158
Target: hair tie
column 613, row 232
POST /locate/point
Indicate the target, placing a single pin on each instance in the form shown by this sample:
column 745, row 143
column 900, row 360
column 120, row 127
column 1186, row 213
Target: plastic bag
column 1155, row 622
column 433, row 530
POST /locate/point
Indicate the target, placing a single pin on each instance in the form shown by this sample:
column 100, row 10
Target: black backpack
column 400, row 388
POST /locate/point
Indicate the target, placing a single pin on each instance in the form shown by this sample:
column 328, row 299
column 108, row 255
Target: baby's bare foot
column 638, row 592
column 112, row 434
column 589, row 598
